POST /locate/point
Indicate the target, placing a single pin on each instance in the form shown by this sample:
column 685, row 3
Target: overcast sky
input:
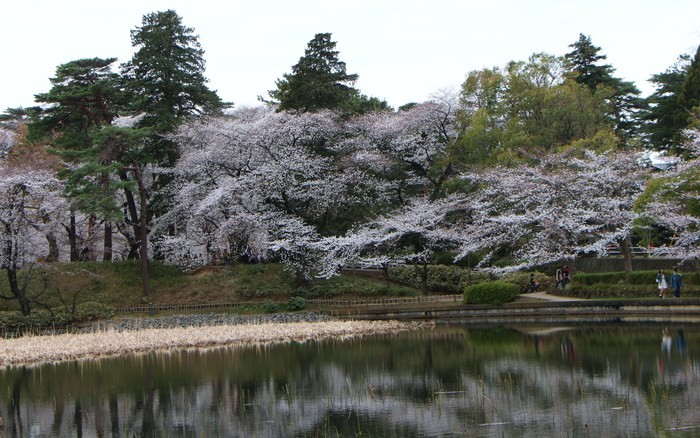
column 403, row 50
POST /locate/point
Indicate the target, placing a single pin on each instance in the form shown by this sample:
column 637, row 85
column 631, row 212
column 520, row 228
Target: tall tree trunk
column 626, row 251
column 73, row 239
column 132, row 216
column 91, row 238
column 52, row 255
column 107, row 246
column 143, row 225
column 16, row 291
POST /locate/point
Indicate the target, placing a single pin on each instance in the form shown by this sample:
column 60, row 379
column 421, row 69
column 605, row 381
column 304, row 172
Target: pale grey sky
column 403, row 50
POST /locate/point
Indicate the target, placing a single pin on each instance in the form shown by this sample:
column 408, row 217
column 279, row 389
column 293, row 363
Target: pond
column 578, row 381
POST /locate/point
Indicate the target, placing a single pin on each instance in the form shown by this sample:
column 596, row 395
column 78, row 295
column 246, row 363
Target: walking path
column 547, row 297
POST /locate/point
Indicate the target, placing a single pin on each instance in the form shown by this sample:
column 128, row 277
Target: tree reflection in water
column 522, row 381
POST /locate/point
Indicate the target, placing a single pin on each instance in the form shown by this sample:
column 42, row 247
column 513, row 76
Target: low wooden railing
column 362, row 302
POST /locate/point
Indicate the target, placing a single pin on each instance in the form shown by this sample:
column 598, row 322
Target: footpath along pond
column 613, row 380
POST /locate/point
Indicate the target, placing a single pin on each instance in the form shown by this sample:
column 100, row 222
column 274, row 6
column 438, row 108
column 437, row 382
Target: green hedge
column 351, row 285
column 634, row 277
column 522, row 279
column 59, row 316
column 441, row 278
column 494, row 292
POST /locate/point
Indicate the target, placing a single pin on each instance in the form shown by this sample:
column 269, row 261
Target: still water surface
column 599, row 381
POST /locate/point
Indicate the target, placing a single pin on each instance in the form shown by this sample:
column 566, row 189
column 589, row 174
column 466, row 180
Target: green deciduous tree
column 525, row 109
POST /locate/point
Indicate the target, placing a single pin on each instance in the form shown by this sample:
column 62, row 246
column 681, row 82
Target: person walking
column 662, row 283
column 676, row 281
column 558, row 278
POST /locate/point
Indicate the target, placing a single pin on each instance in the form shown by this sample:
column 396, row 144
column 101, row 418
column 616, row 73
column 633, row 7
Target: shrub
column 444, row 278
column 351, row 285
column 495, row 292
column 271, row 307
column 296, row 303
column 609, row 291
column 11, row 318
column 57, row 316
column 441, row 278
column 600, row 278
column 36, row 319
column 641, row 278
column 91, row 311
column 522, row 279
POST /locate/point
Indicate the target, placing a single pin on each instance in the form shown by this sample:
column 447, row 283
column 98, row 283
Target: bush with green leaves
column 610, row 291
column 493, row 292
column 272, row 307
column 91, row 311
column 296, row 303
column 441, row 278
column 522, row 279
column 58, row 316
column 634, row 277
column 351, row 286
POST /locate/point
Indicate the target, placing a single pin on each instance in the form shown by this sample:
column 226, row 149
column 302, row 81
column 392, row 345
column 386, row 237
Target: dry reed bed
column 33, row 350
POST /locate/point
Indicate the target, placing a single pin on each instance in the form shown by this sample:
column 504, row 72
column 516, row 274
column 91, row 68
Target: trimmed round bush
column 494, row 292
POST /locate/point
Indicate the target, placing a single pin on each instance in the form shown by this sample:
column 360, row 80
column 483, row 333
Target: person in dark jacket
column 676, row 281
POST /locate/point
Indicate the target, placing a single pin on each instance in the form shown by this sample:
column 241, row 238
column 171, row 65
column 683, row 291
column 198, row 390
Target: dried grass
column 34, row 350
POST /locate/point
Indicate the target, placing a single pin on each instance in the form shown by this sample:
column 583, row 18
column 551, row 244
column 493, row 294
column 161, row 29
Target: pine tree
column 165, row 79
column 689, row 98
column 584, row 67
column 583, row 63
column 665, row 117
column 85, row 97
column 317, row 81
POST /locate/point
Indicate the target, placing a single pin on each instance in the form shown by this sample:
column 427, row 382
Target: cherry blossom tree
column 258, row 181
column 564, row 205
column 673, row 201
column 31, row 207
column 6, row 141
column 410, row 235
column 407, row 149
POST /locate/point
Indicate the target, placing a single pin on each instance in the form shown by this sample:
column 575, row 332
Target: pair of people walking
column 662, row 284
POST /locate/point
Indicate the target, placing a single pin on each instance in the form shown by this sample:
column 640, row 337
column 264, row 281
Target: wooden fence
column 364, row 302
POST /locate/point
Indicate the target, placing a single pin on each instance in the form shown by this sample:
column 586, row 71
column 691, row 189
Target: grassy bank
column 119, row 285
